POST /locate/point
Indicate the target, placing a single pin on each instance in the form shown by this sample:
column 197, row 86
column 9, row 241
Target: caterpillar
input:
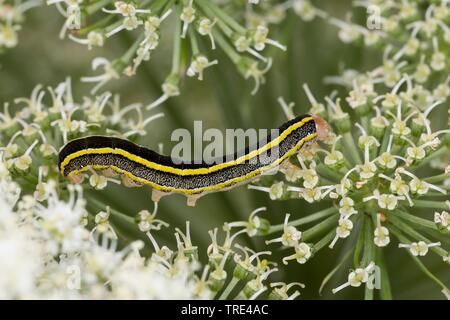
column 141, row 166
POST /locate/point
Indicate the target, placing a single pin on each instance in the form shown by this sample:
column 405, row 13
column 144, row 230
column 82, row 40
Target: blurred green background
column 221, row 101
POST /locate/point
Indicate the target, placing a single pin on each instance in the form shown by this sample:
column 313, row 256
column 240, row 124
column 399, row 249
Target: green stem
column 194, row 43
column 229, row 50
column 430, row 204
column 415, row 235
column 324, row 170
column 97, row 25
column 437, row 178
column 325, row 240
column 234, row 281
column 348, row 139
column 442, row 151
column 416, row 220
column 310, row 218
column 385, row 290
column 369, row 253
column 365, row 122
column 101, row 206
column 161, row 6
column 359, row 246
column 220, row 23
column 384, row 143
column 335, row 269
column 320, row 228
column 176, row 58
column 93, row 8
column 222, row 15
column 126, row 58
column 419, row 263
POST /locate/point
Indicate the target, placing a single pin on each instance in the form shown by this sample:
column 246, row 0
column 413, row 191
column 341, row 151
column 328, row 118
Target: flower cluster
column 381, row 178
column 51, row 254
column 34, row 129
column 64, row 242
column 11, row 18
column 199, row 27
column 385, row 167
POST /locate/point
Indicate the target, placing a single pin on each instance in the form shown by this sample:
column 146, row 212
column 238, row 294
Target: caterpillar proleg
column 141, row 166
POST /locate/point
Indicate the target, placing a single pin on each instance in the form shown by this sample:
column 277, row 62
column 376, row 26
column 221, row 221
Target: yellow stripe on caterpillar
column 142, row 166
column 186, row 172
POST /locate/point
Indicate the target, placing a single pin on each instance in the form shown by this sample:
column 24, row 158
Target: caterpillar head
column 322, row 127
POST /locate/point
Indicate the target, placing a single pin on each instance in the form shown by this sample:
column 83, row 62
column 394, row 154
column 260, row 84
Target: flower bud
column 240, row 272
column 264, row 227
column 217, row 279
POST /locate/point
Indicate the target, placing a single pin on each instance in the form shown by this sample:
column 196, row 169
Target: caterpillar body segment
column 141, row 166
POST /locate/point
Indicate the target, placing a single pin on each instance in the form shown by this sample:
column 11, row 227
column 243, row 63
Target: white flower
column 357, row 277
column 442, row 219
column 310, row 195
column 169, row 89
column 8, row 35
column 399, row 186
column 381, row 234
column 187, row 16
column 23, row 162
column 387, row 201
column 422, row 73
column 310, row 178
column 102, row 225
column 199, row 64
column 242, row 44
column 400, row 128
column 257, row 74
column 301, row 255
column 44, row 190
column 205, row 26
column 418, row 186
column 291, row 171
column 98, row 182
column 333, row 158
column 304, row 9
column 419, row 248
column 109, row 74
column 356, row 98
column 349, row 33
column 22, row 256
column 10, row 150
column 61, row 222
column 290, row 236
column 251, row 226
column 93, row 39
column 260, row 39
column 344, row 228
column 9, row 191
column 412, row 46
column 367, row 170
column 147, row 221
column 346, row 207
column 416, row 153
column 381, row 238
column 136, row 279
column 47, row 150
column 276, row 190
